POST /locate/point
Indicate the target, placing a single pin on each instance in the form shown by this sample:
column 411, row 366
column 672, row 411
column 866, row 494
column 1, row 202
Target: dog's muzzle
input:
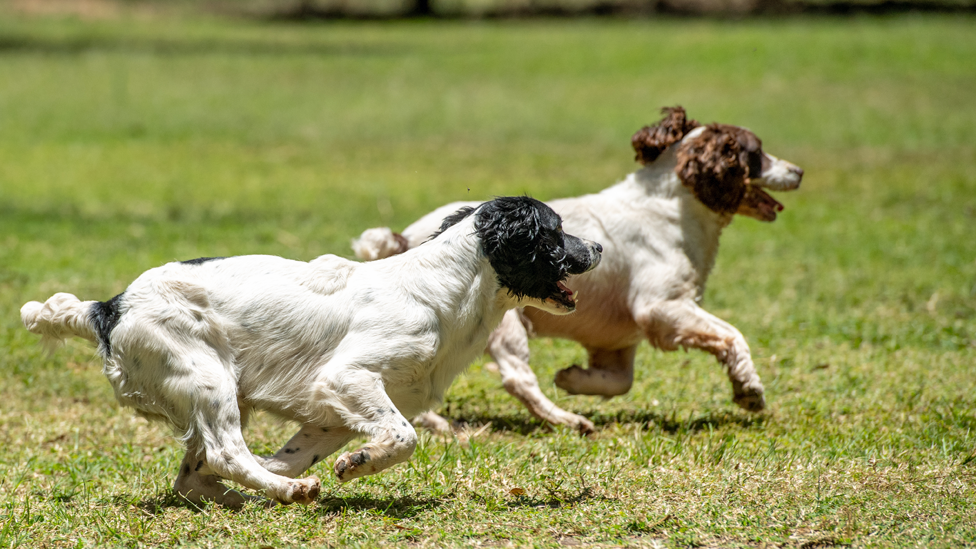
column 596, row 254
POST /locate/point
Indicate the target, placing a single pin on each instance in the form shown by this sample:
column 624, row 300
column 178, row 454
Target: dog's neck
column 469, row 304
column 657, row 189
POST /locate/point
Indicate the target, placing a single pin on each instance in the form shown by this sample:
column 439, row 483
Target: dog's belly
column 597, row 323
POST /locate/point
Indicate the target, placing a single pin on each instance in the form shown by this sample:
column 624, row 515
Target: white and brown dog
column 660, row 228
column 344, row 348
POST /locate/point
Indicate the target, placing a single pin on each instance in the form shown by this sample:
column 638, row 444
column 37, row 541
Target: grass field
column 127, row 143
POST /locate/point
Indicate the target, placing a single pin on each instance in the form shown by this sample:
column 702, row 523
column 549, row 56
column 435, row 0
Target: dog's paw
column 568, row 379
column 302, row 491
column 752, row 403
column 594, row 381
column 749, row 395
column 748, row 398
column 352, row 465
column 584, row 426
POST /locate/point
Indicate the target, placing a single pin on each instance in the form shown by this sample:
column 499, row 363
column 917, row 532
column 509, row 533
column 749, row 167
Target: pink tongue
column 564, row 288
column 766, row 201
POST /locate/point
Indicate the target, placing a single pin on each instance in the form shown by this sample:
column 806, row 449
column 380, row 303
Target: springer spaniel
column 660, row 227
column 344, row 348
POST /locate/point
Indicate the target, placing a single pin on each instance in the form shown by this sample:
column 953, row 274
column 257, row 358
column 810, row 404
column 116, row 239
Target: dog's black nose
column 599, row 248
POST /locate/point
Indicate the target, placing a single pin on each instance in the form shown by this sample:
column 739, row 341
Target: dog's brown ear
column 711, row 166
column 651, row 141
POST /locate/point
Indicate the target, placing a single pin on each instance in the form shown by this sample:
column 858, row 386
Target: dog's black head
column 532, row 256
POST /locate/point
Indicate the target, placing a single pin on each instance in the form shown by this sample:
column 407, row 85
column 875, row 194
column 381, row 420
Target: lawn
column 129, row 142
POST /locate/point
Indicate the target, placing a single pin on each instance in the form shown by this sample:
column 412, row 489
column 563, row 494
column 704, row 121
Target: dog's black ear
column 519, row 237
column 711, row 166
column 651, row 141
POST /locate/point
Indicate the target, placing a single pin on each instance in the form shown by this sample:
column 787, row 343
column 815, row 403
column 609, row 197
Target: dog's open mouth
column 759, row 204
column 566, row 296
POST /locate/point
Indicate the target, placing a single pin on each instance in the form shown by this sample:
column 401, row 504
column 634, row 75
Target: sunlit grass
column 126, row 144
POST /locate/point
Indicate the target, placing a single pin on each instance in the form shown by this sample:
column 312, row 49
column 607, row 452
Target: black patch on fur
column 199, row 465
column 200, row 260
column 315, row 459
column 104, row 315
column 452, row 220
column 291, row 451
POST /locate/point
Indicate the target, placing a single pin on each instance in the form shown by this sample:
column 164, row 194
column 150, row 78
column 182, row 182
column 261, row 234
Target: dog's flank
column 661, row 227
column 343, row 348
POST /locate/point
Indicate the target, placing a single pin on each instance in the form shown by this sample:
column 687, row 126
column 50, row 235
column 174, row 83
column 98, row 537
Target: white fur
column 660, row 244
column 344, row 348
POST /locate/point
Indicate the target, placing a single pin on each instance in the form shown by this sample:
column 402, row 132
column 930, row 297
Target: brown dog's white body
column 660, row 230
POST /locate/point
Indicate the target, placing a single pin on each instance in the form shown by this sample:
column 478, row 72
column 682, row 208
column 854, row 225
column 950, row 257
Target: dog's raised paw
column 750, row 402
column 566, row 378
column 348, row 466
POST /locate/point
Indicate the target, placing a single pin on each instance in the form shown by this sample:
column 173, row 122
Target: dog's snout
column 582, row 255
column 596, row 251
column 797, row 170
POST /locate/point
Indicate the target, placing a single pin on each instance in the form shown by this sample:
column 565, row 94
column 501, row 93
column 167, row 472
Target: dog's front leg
column 683, row 323
column 360, row 399
column 508, row 345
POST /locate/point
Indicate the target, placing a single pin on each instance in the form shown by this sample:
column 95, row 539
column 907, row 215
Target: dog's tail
column 60, row 317
column 379, row 243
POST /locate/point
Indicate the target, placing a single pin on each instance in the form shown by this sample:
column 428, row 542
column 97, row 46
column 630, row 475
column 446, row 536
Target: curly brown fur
column 651, row 141
column 751, row 154
column 710, row 165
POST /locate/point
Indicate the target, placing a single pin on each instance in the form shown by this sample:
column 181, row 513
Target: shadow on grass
column 166, row 500
column 398, row 507
column 554, row 499
column 520, row 424
column 524, row 425
column 393, row 507
column 671, row 423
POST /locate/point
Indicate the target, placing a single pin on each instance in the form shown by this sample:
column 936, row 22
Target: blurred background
column 386, row 9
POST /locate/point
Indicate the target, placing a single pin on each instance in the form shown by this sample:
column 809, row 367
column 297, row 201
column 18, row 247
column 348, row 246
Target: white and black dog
column 344, row 348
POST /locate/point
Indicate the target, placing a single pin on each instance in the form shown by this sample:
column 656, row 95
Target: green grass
column 128, row 143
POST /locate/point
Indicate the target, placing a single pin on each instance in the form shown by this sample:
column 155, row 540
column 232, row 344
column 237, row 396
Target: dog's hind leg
column 433, row 422
column 309, row 446
column 228, row 456
column 359, row 397
column 610, row 373
column 202, row 392
column 197, row 484
column 682, row 323
column 508, row 345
